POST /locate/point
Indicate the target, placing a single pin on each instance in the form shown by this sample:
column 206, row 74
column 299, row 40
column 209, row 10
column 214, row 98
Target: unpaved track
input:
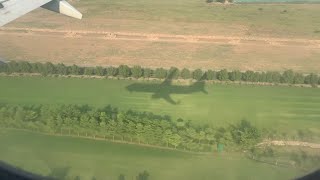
column 161, row 37
column 291, row 143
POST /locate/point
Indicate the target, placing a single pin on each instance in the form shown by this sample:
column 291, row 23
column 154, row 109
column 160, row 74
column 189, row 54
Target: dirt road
column 161, row 37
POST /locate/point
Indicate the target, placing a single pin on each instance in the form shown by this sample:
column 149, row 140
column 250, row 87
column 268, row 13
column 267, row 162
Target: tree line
column 128, row 126
column 287, row 77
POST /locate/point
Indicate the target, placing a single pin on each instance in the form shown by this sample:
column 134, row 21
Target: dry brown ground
column 91, row 48
column 104, row 41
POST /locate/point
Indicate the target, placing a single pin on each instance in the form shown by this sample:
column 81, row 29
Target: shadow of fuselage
column 165, row 89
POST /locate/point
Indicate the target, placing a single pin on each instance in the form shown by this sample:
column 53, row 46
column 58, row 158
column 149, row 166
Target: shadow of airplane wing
column 169, row 78
column 169, row 99
column 166, row 97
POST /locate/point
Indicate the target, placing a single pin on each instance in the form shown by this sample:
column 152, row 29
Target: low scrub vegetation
column 287, row 77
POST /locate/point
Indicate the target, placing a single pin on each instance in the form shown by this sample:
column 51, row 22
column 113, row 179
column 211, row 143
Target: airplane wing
column 12, row 9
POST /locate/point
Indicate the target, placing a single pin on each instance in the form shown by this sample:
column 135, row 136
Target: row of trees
column 288, row 76
column 129, row 126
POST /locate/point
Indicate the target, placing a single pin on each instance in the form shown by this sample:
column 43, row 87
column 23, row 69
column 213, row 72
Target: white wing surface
column 12, row 9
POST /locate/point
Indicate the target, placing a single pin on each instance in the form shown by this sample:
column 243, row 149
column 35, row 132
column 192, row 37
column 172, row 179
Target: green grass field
column 283, row 108
column 66, row 157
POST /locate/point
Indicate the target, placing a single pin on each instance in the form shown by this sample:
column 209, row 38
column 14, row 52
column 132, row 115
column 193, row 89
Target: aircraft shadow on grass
column 166, row 88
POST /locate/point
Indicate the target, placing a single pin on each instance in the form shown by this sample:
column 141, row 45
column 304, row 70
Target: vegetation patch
column 128, row 126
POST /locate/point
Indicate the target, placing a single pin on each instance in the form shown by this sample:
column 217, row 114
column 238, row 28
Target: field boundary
column 108, row 140
column 268, row 143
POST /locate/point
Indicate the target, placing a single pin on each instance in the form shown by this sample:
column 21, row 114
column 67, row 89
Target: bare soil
column 94, row 47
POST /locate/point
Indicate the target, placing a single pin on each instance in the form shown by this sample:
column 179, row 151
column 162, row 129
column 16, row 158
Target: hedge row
column 130, row 126
column 288, row 77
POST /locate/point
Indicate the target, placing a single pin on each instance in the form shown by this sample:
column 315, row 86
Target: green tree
column 235, row 75
column 311, row 79
column 100, row 71
column 223, row 75
column 197, row 74
column 147, row 73
column 298, row 78
column 131, row 129
column 262, row 77
column 112, row 128
column 139, row 131
column 89, row 71
column 191, row 133
column 112, row 71
column 48, row 68
column 245, row 135
column 160, row 73
column 201, row 136
column 211, row 75
column 137, row 71
column 276, row 76
column 174, row 72
column 84, row 123
column 75, row 70
column 13, row 67
column 124, row 70
column 256, row 77
column 62, row 69
column 3, row 67
column 175, row 140
column 148, row 131
column 185, row 74
column 24, row 67
column 287, row 77
column 248, row 76
column 167, row 136
column 269, row 77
